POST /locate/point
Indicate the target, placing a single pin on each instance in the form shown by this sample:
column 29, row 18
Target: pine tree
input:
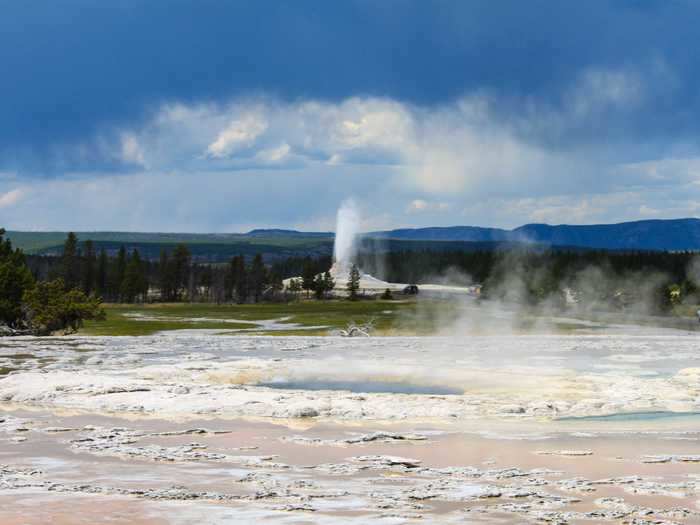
column 239, row 279
column 89, row 263
column 319, row 286
column 134, row 285
column 70, row 262
column 258, row 277
column 49, row 308
column 15, row 280
column 328, row 282
column 353, row 285
column 294, row 287
column 165, row 280
column 229, row 280
column 101, row 277
column 118, row 273
column 181, row 269
column 276, row 282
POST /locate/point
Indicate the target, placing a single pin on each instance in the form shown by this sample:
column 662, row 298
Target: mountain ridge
column 649, row 234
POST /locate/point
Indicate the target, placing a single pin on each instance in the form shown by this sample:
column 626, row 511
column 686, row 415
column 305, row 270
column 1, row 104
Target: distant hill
column 658, row 234
column 674, row 235
column 446, row 233
column 210, row 247
column 277, row 233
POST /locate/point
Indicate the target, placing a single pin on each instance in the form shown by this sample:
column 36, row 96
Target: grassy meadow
column 148, row 319
column 398, row 317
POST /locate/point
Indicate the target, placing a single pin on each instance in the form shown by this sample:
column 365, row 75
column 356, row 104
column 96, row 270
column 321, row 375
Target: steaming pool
column 183, row 428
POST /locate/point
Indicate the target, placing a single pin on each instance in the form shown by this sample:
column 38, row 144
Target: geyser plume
column 347, row 227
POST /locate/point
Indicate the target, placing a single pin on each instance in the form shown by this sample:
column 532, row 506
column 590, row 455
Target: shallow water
column 370, row 387
column 690, row 417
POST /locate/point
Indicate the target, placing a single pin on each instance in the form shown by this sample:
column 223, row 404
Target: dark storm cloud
column 78, row 67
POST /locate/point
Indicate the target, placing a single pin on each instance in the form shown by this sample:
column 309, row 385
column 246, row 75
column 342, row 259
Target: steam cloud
column 348, row 223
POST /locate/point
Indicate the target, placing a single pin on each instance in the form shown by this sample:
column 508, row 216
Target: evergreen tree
column 328, row 282
column 229, row 280
column 101, row 277
column 15, row 280
column 89, row 263
column 219, row 286
column 239, row 277
column 134, row 285
column 118, row 271
column 294, row 287
column 49, row 308
column 258, row 277
column 319, row 286
column 353, row 285
column 70, row 262
column 181, row 270
column 276, row 282
column 166, row 277
column 120, row 267
column 308, row 275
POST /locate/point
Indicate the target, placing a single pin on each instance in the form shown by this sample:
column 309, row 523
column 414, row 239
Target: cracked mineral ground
column 200, row 428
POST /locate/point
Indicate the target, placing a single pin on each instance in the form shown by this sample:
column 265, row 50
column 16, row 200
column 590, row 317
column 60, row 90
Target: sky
column 211, row 116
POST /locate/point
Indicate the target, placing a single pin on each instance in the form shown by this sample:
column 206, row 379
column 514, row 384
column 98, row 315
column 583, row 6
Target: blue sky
column 224, row 116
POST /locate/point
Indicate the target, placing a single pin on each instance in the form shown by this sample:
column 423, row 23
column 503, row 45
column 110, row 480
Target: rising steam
column 347, row 227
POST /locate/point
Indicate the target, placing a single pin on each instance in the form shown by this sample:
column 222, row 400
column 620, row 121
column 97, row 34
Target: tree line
column 127, row 277
column 48, row 294
column 516, row 274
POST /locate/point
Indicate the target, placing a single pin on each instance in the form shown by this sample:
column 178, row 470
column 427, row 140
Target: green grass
column 405, row 317
column 331, row 315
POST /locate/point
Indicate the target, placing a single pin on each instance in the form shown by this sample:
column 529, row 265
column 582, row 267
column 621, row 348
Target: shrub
column 48, row 308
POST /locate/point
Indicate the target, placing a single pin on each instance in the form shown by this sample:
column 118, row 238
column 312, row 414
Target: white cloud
column 405, row 161
column 372, row 123
column 240, row 133
column 11, row 197
column 418, row 205
column 421, row 205
column 131, row 151
column 440, row 150
column 274, row 155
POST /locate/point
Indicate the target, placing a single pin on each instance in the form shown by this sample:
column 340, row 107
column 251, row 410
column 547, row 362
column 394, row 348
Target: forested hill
column 672, row 235
column 212, row 247
column 675, row 234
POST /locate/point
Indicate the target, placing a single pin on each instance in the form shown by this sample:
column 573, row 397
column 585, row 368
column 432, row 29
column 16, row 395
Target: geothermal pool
column 183, row 428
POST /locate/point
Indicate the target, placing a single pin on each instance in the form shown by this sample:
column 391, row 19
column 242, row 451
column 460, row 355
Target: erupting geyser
column 347, row 226
column 345, row 251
